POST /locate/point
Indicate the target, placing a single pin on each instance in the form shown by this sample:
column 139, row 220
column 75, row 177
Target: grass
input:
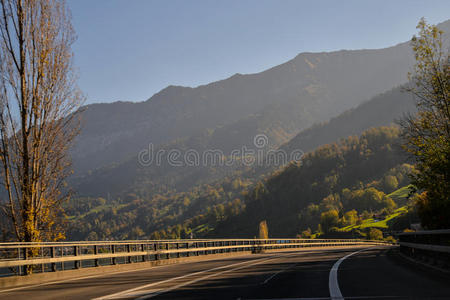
column 401, row 193
column 398, row 195
column 383, row 224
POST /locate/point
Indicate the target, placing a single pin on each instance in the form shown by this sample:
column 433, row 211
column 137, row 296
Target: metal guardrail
column 20, row 258
column 429, row 246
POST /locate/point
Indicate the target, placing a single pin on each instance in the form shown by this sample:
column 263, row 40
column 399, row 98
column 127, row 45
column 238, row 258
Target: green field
column 398, row 195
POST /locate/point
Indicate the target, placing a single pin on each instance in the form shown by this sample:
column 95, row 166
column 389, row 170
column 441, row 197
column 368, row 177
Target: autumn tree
column 38, row 101
column 263, row 230
column 427, row 133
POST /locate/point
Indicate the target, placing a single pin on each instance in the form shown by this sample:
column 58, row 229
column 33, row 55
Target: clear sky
column 130, row 49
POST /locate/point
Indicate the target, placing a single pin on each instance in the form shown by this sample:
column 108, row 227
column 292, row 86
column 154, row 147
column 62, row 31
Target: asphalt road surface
column 375, row 273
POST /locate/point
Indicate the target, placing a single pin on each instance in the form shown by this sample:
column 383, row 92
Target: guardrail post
column 77, row 263
column 129, row 250
column 113, row 250
column 144, row 257
column 96, row 252
column 25, row 257
column 178, row 248
column 62, row 255
column 52, row 254
column 167, row 248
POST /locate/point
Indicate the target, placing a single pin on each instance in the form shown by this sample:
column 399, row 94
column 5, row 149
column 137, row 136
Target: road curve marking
column 148, row 295
column 335, row 292
column 121, row 293
column 275, row 274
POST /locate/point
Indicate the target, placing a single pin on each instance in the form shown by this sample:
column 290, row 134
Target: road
column 375, row 273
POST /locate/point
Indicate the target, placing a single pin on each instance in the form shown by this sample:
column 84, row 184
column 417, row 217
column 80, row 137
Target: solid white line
column 335, row 292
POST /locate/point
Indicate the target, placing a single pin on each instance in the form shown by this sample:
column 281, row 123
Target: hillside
column 234, row 206
column 383, row 109
column 344, row 176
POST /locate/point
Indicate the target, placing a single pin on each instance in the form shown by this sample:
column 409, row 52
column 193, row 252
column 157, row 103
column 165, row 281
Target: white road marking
column 275, row 274
column 260, row 261
column 335, row 292
column 122, row 293
column 151, row 294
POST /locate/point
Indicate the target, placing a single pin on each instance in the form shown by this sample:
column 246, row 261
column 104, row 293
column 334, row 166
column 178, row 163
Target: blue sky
column 130, row 49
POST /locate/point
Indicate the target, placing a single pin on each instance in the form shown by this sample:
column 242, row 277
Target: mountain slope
column 381, row 110
column 313, row 87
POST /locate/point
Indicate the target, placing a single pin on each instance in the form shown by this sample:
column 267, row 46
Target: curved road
column 374, row 273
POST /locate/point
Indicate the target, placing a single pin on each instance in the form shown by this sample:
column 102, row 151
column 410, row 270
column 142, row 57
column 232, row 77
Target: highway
column 352, row 273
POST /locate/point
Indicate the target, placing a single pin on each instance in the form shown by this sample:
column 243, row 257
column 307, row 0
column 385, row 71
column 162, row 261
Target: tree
column 329, row 219
column 374, row 234
column 427, row 133
column 390, row 183
column 351, row 217
column 38, row 101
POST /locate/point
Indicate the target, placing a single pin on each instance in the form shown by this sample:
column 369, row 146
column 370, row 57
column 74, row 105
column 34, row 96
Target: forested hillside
column 354, row 174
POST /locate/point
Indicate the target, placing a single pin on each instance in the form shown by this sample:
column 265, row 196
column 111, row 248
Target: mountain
column 381, row 110
column 312, row 87
column 281, row 101
column 286, row 100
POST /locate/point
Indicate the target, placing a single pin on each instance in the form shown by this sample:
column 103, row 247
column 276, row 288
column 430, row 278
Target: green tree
column 328, row 220
column 374, row 234
column 427, row 133
column 351, row 217
column 390, row 183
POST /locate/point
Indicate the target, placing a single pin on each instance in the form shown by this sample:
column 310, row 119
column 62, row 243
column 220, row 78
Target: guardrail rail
column 19, row 258
column 429, row 246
